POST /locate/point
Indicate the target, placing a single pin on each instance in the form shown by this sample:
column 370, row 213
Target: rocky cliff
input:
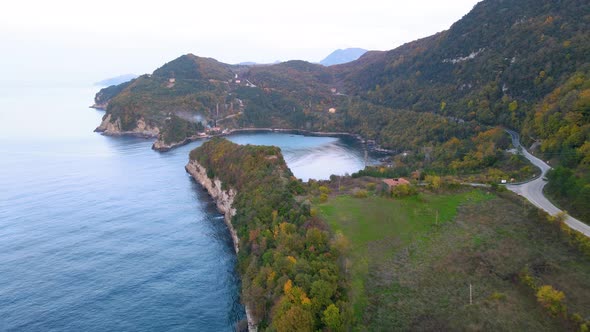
column 224, row 200
column 113, row 128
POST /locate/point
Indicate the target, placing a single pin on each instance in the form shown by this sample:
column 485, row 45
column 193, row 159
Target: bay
column 104, row 234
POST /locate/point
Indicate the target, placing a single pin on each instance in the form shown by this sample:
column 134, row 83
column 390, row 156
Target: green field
column 410, row 269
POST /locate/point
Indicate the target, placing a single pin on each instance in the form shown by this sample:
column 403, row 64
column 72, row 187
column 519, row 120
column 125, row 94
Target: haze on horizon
column 65, row 41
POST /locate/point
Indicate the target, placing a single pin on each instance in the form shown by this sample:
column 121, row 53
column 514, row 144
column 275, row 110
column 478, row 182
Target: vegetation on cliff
column 289, row 263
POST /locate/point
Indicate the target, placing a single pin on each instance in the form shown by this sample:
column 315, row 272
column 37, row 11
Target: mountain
column 343, row 56
column 521, row 64
column 116, row 80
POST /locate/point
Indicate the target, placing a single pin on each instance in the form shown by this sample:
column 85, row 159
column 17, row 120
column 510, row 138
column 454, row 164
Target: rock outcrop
column 224, row 200
column 160, row 145
column 113, row 128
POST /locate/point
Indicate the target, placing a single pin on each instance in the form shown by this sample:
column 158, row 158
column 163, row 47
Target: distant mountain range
column 116, row 80
column 343, row 56
column 335, row 58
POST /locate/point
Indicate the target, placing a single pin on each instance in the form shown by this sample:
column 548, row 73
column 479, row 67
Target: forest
column 288, row 260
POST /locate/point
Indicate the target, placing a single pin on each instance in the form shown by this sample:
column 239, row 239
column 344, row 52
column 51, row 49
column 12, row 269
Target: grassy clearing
column 410, row 273
column 375, row 222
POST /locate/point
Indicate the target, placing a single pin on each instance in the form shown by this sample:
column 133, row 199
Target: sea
column 102, row 233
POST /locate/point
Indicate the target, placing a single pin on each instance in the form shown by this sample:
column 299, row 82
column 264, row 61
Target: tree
column 434, row 182
column 331, row 318
column 294, row 319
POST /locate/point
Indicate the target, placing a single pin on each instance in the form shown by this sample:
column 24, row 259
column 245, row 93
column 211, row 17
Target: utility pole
column 470, row 294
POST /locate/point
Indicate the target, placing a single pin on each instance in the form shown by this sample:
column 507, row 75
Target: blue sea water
column 104, row 234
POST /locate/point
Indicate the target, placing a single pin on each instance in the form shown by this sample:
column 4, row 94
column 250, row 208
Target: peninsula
column 287, row 261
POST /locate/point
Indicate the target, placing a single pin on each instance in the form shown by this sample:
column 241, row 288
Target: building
column 391, row 183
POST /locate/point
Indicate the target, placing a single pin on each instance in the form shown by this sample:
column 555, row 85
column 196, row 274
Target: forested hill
column 501, row 52
column 522, row 64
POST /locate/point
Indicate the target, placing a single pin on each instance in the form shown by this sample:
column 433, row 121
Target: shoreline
column 224, row 200
column 162, row 147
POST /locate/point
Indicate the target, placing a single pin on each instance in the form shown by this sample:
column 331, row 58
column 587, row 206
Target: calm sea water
column 104, row 234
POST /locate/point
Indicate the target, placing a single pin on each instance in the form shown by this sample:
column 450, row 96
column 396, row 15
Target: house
column 391, row 183
column 332, row 110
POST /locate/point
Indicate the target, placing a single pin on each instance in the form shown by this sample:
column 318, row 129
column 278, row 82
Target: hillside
column 521, row 64
column 342, row 56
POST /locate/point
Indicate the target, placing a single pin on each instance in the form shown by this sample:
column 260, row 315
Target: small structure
column 392, row 183
column 171, row 82
column 332, row 110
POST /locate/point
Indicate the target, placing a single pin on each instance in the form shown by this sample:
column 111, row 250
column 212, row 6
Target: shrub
column 359, row 193
column 551, row 299
column 403, row 190
column 498, row 296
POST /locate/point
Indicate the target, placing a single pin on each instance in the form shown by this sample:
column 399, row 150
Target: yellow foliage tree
column 551, row 299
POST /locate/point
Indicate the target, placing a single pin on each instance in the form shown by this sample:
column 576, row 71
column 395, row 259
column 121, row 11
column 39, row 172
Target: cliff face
column 224, row 200
column 113, row 128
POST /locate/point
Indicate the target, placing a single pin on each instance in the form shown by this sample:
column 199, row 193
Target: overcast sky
column 79, row 41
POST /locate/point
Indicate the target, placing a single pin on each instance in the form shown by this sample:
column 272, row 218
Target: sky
column 65, row 41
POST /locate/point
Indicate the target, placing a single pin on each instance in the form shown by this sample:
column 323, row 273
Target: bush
column 551, row 299
column 498, row 296
column 324, row 190
column 403, row 190
column 360, row 193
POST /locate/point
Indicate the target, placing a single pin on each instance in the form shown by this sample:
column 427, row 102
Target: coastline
column 144, row 131
column 372, row 147
column 224, row 200
column 160, row 146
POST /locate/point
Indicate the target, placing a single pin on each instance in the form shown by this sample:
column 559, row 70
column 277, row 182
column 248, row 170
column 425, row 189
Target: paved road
column 533, row 190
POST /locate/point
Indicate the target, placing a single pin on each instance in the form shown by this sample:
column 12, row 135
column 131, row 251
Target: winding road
column 533, row 190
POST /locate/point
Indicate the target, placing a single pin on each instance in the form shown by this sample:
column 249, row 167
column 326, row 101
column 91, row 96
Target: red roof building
column 395, row 182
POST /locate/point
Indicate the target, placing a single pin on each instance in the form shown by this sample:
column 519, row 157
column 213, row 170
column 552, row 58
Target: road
column 533, row 190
